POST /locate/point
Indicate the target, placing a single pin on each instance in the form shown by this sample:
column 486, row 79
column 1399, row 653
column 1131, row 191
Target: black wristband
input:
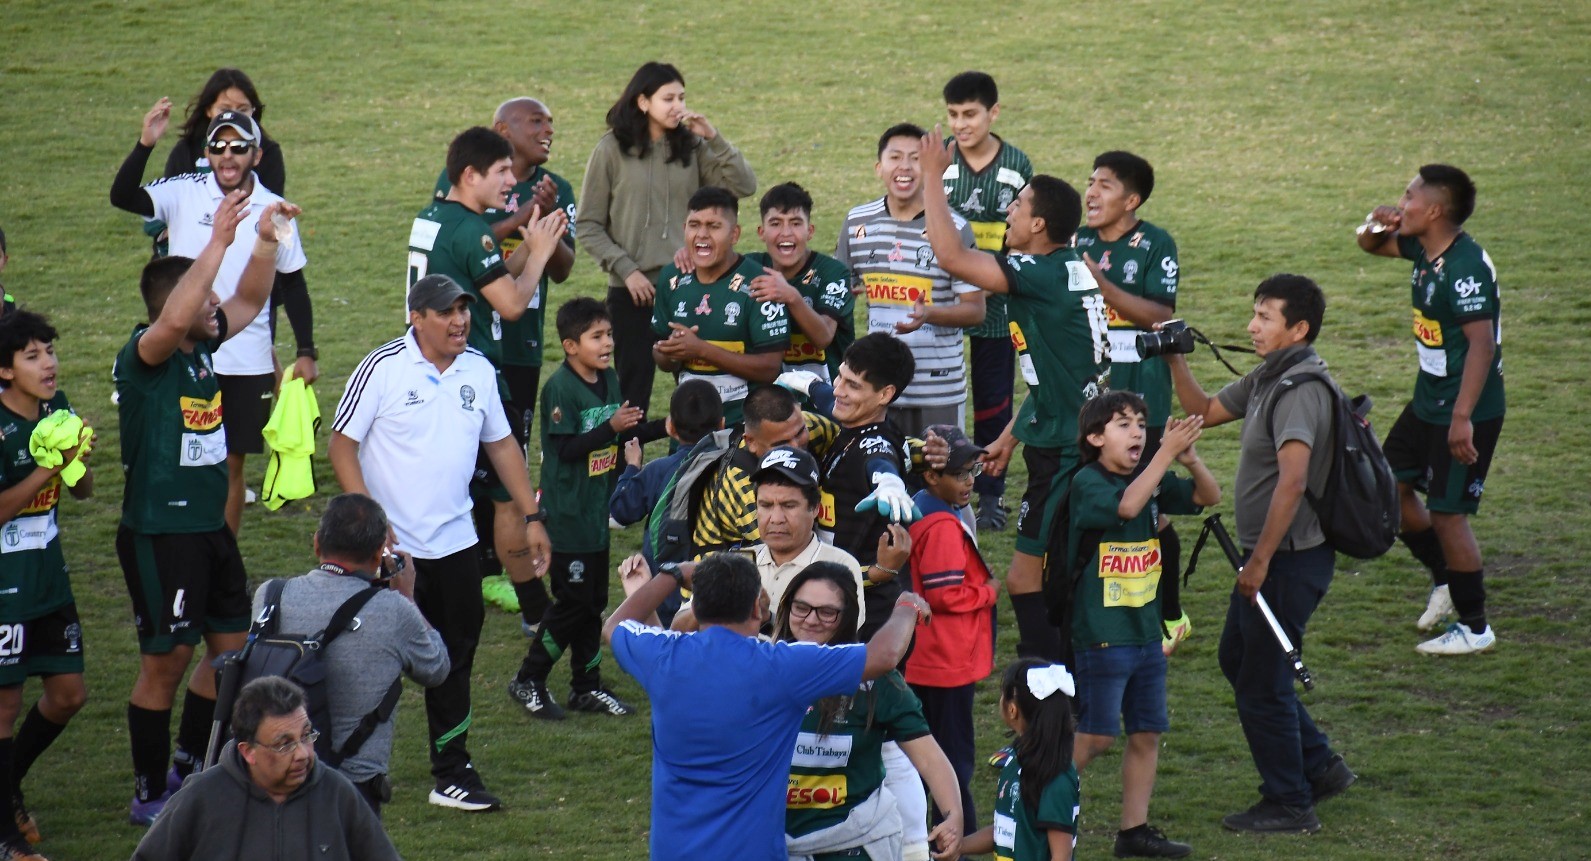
column 309, row 353
column 538, row 517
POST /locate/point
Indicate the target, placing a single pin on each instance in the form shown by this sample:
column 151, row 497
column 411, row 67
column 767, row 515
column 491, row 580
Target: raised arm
column 1383, row 242
column 259, row 276
column 193, row 290
column 510, row 296
column 1194, row 400
column 888, row 646
column 971, row 265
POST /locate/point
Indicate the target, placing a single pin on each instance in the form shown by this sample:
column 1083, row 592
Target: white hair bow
column 1043, row 681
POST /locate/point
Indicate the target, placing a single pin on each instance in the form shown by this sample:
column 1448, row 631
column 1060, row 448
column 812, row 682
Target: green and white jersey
column 1143, row 262
column 575, row 495
column 32, row 568
column 1019, row 832
column 832, row 772
column 895, row 262
column 982, row 197
column 1458, row 287
column 724, row 315
column 449, row 238
column 522, row 338
column 825, row 285
column 1059, row 330
column 173, row 447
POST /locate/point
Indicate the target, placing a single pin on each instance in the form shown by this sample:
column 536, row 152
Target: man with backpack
column 1286, row 451
column 363, row 661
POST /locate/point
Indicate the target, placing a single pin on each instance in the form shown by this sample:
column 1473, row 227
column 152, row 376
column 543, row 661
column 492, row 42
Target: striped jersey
column 982, row 197
column 894, row 262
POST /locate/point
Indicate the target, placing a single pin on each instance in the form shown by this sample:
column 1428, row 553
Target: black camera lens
column 1174, row 337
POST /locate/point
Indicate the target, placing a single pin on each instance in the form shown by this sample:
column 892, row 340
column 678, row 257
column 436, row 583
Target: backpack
column 300, row 659
column 1358, row 508
column 1063, row 563
column 673, row 519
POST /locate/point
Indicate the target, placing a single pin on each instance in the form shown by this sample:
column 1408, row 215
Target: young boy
column 1116, row 630
column 38, row 616
column 954, row 653
column 581, row 418
column 813, row 288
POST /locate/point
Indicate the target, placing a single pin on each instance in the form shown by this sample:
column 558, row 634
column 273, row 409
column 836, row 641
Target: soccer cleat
column 26, row 824
column 497, row 590
column 1437, row 607
column 1147, row 841
column 1176, row 631
column 173, row 781
column 992, row 513
column 1332, row 780
column 600, row 701
column 17, row 849
column 533, row 698
column 144, row 812
column 463, row 796
column 1268, row 817
column 1459, row 640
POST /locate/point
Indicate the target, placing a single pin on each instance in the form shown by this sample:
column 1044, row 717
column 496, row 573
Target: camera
column 1174, row 337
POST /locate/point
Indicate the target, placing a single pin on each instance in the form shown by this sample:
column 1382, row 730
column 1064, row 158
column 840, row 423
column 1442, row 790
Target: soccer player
column 983, row 178
column 1136, row 266
column 38, row 614
column 179, row 557
column 814, row 288
column 708, row 325
column 909, row 295
column 1442, row 444
column 1054, row 301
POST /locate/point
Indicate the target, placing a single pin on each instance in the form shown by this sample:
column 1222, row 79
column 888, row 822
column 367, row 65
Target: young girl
column 1036, row 806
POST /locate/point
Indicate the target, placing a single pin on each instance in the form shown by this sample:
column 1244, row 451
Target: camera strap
column 1217, row 348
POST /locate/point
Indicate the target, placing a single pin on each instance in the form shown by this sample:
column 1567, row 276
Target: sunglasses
column 237, row 147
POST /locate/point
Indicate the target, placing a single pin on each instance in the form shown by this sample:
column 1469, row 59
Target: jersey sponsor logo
column 951, row 173
column 860, row 232
column 988, row 235
column 577, row 571
column 1426, row 330
column 413, row 398
column 491, row 260
column 732, row 312
column 704, row 366
column 1005, row 833
column 201, row 449
column 1130, row 571
column 821, row 751
column 1115, row 320
column 974, row 201
column 201, row 414
column 1137, row 240
column 888, row 288
column 590, row 418
column 28, row 533
column 802, row 351
column 737, row 284
column 703, row 307
column 1129, row 271
column 679, row 311
column 816, row 791
column 925, row 257
column 467, row 398
column 45, row 499
column 896, row 255
column 1104, row 261
column 1005, row 198
column 1468, row 293
column 877, row 445
column 770, row 310
column 422, row 234
column 826, row 509
column 1007, row 176
column 1169, row 266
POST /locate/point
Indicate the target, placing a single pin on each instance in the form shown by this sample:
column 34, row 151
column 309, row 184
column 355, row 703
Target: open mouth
column 1134, row 452
column 904, row 182
column 702, row 249
column 786, row 248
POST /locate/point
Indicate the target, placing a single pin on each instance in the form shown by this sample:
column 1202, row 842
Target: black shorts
column 1418, row 454
column 522, row 382
column 1039, row 499
column 245, row 408
column 48, row 645
column 183, row 586
column 486, row 479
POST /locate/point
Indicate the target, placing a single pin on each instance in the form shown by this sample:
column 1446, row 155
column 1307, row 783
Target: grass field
column 1273, row 127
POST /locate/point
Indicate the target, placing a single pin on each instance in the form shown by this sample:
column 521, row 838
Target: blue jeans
column 1286, row 745
column 1121, row 686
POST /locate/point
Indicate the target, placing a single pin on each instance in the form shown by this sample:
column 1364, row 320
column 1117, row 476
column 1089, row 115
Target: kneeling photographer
column 1285, row 447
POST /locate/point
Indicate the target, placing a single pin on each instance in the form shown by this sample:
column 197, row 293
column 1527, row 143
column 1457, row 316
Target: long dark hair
column 1044, row 750
column 198, row 120
column 830, row 709
column 629, row 122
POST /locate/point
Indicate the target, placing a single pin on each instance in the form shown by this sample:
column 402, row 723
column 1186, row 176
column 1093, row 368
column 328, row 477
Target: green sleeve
column 560, row 414
column 1474, row 292
column 1095, row 500
column 835, row 299
column 897, row 709
column 663, row 299
column 1161, row 282
column 476, row 250
column 1059, row 804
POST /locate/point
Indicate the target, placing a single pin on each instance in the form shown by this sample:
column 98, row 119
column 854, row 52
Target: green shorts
column 1033, row 519
column 48, row 645
column 183, row 586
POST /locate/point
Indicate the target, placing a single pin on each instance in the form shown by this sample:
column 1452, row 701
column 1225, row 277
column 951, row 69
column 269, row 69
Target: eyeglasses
column 970, row 472
column 826, row 615
column 237, row 147
column 286, row 748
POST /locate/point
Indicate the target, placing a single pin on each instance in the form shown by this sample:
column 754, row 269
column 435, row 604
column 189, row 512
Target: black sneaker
column 1332, row 780
column 1269, row 817
column 601, row 701
column 991, row 513
column 1147, row 841
column 466, row 795
column 533, row 697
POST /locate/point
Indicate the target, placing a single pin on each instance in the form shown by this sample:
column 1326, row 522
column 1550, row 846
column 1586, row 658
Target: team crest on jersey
column 467, row 398
column 557, row 414
column 1005, row 198
column 925, row 257
column 702, row 307
column 486, row 242
column 577, row 571
column 731, row 312
column 1129, row 271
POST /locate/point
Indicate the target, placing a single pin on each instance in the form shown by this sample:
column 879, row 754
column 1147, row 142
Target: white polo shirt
column 187, row 204
column 775, row 577
column 418, row 430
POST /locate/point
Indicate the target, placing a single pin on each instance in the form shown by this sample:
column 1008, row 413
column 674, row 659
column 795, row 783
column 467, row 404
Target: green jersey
column 1018, row 831
column 522, row 337
column 574, row 493
column 1142, row 262
column 982, row 197
column 831, row 772
column 1118, row 598
column 449, row 238
column 1458, row 287
column 825, row 285
column 32, row 568
column 1058, row 327
column 173, row 447
column 724, row 315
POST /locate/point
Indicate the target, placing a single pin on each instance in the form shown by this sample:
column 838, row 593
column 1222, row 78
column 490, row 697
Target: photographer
column 1286, row 555
column 392, row 638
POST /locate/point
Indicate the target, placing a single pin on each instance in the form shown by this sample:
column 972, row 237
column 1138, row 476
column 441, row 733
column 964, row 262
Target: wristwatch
column 672, row 569
column 538, row 517
column 309, row 353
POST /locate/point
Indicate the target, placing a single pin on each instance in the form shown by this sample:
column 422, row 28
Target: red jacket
column 948, row 572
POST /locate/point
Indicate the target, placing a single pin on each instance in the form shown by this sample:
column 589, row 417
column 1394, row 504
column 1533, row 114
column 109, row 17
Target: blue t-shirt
column 725, row 713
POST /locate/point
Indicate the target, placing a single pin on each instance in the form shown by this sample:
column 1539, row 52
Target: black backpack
column 1358, row 508
column 300, row 659
column 673, row 519
column 1063, row 563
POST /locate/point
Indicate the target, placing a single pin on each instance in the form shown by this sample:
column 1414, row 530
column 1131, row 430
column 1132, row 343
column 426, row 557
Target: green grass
column 1274, row 128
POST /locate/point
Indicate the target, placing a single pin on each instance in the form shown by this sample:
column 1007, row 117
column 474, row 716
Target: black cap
column 239, row 122
column 790, row 462
column 435, row 293
column 962, row 449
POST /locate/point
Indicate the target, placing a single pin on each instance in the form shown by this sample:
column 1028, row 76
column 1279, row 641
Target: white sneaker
column 1437, row 607
column 1459, row 640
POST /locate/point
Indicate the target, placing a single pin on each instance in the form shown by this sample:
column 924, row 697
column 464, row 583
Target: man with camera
column 1286, row 446
column 391, row 638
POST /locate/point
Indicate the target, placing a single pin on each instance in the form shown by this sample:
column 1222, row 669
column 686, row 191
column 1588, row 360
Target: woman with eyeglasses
column 837, row 801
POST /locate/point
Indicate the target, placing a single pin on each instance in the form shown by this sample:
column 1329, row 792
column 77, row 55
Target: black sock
column 533, row 601
column 150, row 733
column 1133, row 830
column 1469, row 598
column 193, row 733
column 8, row 811
column 1036, row 637
column 36, row 735
column 1170, row 574
column 1425, row 548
